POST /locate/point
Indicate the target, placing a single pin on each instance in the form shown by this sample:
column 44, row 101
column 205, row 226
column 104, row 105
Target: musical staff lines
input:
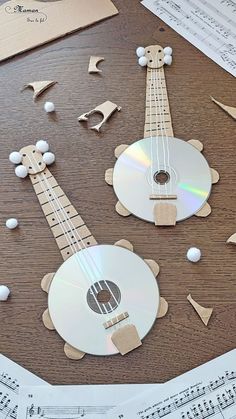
column 209, row 25
column 9, row 383
column 205, row 408
column 65, row 412
column 11, row 377
column 6, row 409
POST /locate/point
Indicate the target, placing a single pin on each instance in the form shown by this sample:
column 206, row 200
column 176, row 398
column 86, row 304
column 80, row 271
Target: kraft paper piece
column 30, row 23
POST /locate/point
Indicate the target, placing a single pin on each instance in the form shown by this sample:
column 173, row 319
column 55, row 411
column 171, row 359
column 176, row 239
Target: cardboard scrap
column 32, row 23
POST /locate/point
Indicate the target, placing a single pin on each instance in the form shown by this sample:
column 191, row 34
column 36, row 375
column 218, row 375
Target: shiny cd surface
column 93, row 287
column 162, row 167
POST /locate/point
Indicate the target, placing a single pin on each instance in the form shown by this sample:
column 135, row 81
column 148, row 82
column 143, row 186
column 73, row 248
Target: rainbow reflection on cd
column 189, row 177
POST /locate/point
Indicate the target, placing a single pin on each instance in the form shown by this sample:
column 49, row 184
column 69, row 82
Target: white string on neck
column 73, row 230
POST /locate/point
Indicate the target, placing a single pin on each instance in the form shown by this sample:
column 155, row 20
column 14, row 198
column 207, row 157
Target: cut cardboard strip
column 36, row 23
column 228, row 109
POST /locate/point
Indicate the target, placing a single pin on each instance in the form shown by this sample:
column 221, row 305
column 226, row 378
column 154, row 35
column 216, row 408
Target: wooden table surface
column 180, row 341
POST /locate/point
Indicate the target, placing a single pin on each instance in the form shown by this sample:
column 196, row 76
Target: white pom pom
column 21, row 171
column 11, row 223
column 168, row 59
column 4, row 293
column 15, row 157
column 49, row 107
column 42, row 146
column 168, row 51
column 194, row 254
column 143, row 61
column 140, row 52
column 48, row 158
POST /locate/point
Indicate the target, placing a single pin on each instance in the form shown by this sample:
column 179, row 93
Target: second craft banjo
column 103, row 299
column 160, row 178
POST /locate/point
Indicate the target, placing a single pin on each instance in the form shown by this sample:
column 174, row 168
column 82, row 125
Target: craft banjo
column 160, row 178
column 103, row 299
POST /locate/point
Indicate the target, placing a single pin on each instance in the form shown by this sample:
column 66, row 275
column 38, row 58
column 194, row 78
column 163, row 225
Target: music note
column 11, row 375
column 206, row 24
column 205, row 392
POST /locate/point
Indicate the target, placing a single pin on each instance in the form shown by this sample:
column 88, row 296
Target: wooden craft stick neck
column 68, row 228
column 157, row 116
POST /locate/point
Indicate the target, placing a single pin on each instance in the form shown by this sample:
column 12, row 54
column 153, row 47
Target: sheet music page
column 75, row 402
column 208, row 391
column 12, row 377
column 210, row 25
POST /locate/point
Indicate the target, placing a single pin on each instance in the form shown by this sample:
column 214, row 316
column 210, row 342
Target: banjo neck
column 157, row 113
column 157, row 110
column 67, row 226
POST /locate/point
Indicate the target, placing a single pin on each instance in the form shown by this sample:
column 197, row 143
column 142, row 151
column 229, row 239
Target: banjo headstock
column 154, row 56
column 32, row 159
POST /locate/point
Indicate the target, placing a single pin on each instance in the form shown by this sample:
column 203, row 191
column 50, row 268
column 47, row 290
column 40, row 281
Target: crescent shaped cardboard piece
column 32, row 23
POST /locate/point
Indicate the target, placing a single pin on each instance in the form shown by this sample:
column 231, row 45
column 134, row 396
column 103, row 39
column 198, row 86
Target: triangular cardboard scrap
column 30, row 23
column 229, row 109
column 39, row 87
column 203, row 312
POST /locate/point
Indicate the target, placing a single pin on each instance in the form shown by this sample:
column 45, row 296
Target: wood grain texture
column 179, row 341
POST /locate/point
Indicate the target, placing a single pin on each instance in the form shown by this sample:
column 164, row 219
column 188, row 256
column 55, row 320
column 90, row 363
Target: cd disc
column 162, row 167
column 127, row 284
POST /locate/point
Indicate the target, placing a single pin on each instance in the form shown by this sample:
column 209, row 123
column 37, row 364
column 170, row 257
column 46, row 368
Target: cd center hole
column 161, row 177
column 104, row 296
